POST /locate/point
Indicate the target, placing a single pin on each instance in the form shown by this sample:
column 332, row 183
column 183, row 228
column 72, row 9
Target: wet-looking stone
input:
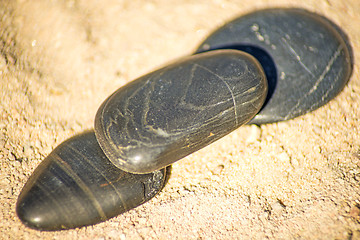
column 163, row 116
column 305, row 58
column 76, row 185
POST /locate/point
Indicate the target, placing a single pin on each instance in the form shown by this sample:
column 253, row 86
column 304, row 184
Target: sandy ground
column 59, row 60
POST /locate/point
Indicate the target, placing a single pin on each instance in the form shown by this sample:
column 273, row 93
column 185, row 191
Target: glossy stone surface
column 76, row 185
column 172, row 112
column 306, row 61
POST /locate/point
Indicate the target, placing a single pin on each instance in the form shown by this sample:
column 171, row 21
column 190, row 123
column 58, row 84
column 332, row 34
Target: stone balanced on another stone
column 170, row 113
column 159, row 118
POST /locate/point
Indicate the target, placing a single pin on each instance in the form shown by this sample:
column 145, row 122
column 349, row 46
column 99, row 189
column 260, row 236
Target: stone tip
column 31, row 212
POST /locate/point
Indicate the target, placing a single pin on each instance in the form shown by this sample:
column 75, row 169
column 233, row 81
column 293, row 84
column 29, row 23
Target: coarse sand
column 298, row 179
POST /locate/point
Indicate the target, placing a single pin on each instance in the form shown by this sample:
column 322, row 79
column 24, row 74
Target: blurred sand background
column 59, row 60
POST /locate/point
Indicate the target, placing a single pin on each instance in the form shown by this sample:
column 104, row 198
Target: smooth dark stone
column 305, row 59
column 76, row 185
column 172, row 112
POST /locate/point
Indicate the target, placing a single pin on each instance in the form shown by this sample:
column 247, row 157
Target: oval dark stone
column 306, row 60
column 163, row 116
column 76, row 185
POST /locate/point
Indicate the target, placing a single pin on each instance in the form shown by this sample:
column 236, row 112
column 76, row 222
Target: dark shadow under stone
column 266, row 62
column 305, row 58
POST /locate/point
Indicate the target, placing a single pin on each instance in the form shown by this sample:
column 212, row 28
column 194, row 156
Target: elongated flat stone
column 163, row 116
column 76, row 185
column 306, row 61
